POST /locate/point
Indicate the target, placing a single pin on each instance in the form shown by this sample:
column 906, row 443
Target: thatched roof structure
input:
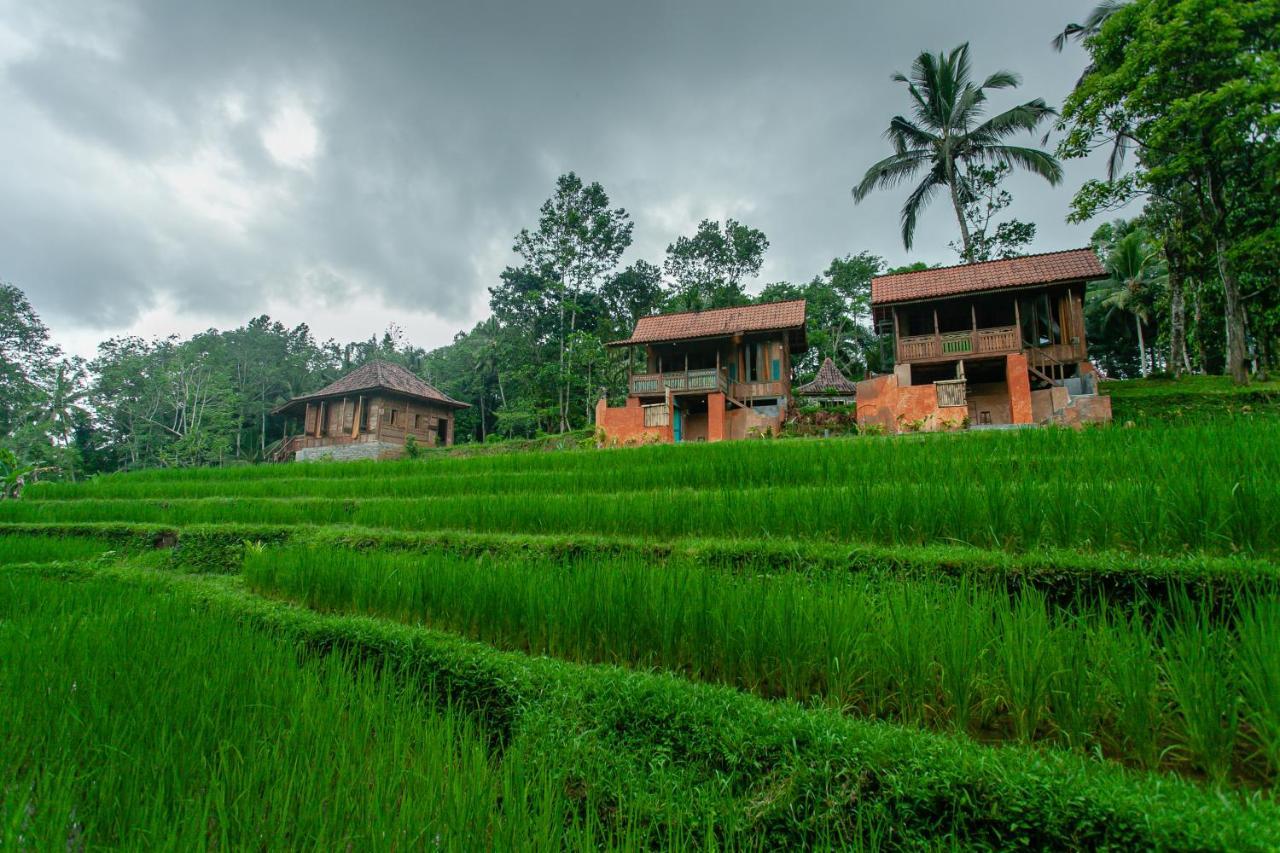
column 379, row 376
column 829, row 382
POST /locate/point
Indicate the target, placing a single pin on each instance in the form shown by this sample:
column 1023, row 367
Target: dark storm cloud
column 138, row 166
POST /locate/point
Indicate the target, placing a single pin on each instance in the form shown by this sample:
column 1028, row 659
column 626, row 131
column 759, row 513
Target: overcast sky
column 166, row 167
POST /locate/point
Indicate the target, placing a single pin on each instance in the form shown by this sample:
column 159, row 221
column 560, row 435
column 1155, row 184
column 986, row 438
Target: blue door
column 675, row 413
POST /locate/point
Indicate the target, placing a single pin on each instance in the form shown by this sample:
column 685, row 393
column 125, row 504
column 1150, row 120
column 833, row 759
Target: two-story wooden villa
column 995, row 343
column 369, row 414
column 708, row 375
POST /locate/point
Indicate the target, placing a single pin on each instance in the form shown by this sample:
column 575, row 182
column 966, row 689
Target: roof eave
column 632, row 342
column 884, row 303
column 355, row 392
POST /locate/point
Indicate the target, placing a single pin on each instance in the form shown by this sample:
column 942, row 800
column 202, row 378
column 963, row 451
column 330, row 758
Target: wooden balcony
column 753, row 390
column 950, row 346
column 680, row 382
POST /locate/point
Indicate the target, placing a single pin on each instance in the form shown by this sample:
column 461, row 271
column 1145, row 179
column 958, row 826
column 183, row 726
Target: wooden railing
column 680, row 381
column 750, row 390
column 949, row 345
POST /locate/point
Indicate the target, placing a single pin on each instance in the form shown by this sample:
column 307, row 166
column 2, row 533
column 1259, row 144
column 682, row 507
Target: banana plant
column 13, row 474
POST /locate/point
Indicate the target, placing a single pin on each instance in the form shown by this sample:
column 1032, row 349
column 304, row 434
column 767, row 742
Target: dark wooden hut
column 369, row 414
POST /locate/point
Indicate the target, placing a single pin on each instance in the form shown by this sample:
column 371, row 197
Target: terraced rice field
column 1039, row 638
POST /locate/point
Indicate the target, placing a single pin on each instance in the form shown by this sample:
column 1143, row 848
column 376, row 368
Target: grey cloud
column 443, row 126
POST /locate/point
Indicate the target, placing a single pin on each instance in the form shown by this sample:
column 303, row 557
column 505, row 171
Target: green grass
column 1191, row 399
column 961, row 657
column 1204, row 489
column 139, row 720
column 42, row 549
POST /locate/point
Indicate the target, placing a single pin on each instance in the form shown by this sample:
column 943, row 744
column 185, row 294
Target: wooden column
column 1017, row 324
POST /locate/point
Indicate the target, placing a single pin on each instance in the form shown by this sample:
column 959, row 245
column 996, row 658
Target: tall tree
column 948, row 135
column 578, row 242
column 1191, row 86
column 708, row 269
column 27, row 356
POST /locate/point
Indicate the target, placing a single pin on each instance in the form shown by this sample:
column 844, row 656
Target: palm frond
column 889, row 172
column 1003, row 80
column 1022, row 118
column 915, row 202
column 906, row 135
column 1034, row 160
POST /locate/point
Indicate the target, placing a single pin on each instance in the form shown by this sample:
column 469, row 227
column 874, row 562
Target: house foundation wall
column 350, row 452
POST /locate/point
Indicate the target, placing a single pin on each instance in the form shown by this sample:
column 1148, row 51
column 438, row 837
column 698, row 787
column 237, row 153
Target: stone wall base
column 351, row 452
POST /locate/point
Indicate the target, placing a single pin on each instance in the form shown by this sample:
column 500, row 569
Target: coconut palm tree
column 1134, row 272
column 1092, row 24
column 948, row 133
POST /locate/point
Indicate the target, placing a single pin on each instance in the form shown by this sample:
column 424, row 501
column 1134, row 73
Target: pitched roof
column 380, row 376
column 717, row 322
column 1048, row 268
column 828, row 381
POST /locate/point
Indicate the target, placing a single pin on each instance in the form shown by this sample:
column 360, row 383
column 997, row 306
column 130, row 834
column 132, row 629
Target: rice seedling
column 1200, row 678
column 925, row 653
column 1129, row 652
column 1258, row 654
column 43, row 549
column 1196, row 488
column 1026, row 661
column 137, row 721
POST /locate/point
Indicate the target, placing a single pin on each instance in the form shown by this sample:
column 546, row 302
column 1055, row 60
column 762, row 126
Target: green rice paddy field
column 1032, row 639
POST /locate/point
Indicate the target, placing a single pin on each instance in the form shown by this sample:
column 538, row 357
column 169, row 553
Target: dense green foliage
column 1189, row 87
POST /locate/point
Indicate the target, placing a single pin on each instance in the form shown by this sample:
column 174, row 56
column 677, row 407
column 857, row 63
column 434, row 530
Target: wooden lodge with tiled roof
column 709, row 375
column 369, row 414
column 986, row 344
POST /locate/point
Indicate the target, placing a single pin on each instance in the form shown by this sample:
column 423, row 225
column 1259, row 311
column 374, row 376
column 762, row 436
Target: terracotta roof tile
column 384, row 376
column 828, row 380
column 1048, row 268
column 717, row 322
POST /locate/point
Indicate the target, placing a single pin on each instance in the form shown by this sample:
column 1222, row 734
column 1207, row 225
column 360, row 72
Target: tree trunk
column 1177, row 310
column 1201, row 353
column 1230, row 287
column 1142, row 347
column 955, row 202
column 1235, row 325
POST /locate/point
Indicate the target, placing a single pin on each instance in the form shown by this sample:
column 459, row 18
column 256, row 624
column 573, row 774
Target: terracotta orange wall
column 883, row 401
column 625, row 424
column 877, row 402
column 715, row 417
column 1015, row 371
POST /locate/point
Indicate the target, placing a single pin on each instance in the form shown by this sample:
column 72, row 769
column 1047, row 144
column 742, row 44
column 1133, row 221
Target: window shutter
column 777, row 369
